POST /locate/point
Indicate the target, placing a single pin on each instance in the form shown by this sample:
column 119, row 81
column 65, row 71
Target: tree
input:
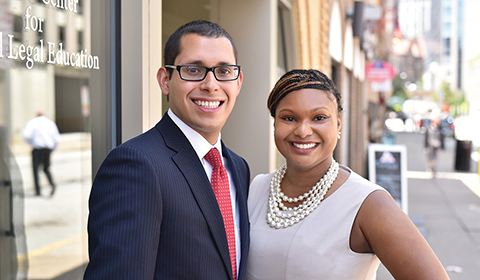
column 446, row 95
column 399, row 88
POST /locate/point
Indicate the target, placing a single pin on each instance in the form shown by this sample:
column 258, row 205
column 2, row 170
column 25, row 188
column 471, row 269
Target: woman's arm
column 396, row 241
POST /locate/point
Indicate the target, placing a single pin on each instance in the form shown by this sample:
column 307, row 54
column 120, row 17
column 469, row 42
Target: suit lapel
column 188, row 163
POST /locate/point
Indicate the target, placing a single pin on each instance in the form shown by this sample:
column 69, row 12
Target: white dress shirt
column 41, row 133
column 202, row 147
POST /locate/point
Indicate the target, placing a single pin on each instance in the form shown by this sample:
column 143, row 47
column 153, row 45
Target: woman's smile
column 304, row 146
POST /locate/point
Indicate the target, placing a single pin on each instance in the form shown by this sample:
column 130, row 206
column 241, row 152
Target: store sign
column 43, row 51
column 382, row 86
column 387, row 168
column 379, row 71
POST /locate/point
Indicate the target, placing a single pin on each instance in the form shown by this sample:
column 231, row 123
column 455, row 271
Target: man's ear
column 163, row 78
column 240, row 80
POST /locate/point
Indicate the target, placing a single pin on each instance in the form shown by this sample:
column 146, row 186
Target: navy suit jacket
column 153, row 213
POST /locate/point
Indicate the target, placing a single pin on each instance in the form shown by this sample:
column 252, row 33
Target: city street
column 445, row 209
column 55, row 226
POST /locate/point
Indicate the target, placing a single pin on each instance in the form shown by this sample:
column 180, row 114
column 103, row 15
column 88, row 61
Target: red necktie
column 221, row 189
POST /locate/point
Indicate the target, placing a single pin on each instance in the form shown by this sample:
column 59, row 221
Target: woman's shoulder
column 260, row 179
column 258, row 192
column 357, row 181
column 260, row 184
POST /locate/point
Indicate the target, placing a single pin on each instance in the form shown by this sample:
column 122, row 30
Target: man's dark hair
column 199, row 27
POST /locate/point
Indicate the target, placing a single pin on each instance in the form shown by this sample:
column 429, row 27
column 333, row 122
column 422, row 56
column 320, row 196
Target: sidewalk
column 55, row 226
column 446, row 209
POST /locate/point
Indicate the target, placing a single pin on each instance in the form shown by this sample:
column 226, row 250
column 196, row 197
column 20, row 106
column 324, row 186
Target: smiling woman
column 325, row 212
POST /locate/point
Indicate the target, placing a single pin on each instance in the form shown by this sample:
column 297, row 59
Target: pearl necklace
column 311, row 199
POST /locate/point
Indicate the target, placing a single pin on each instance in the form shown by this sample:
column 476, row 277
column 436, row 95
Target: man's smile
column 208, row 104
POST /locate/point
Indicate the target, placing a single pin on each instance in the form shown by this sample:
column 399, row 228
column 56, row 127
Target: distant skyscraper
column 441, row 23
column 414, row 17
column 460, row 44
column 452, row 41
column 432, row 36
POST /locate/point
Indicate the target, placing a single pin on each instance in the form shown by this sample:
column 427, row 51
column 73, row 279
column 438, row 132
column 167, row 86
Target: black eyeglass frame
column 208, row 69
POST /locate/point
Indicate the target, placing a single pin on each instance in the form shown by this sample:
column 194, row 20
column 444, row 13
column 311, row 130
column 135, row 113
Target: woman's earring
column 339, row 135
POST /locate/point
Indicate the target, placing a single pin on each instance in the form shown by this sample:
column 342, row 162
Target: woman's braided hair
column 299, row 79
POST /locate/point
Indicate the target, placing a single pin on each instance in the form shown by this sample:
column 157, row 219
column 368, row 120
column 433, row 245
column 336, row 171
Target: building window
column 61, row 36
column 281, row 53
column 80, row 41
column 41, row 35
column 285, row 43
column 447, row 27
column 446, row 46
column 17, row 29
column 80, row 7
column 459, row 69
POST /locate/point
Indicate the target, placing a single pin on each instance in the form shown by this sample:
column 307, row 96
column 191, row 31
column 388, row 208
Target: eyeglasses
column 198, row 73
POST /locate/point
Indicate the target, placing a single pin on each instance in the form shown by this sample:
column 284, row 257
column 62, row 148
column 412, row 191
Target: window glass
column 285, row 39
column 46, row 64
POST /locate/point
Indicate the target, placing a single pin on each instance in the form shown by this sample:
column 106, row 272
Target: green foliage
column 456, row 100
column 449, row 96
column 399, row 89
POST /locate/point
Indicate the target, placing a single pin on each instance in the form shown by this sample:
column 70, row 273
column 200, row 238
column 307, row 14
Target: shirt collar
column 198, row 142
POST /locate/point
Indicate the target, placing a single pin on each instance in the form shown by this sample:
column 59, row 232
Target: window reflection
column 44, row 65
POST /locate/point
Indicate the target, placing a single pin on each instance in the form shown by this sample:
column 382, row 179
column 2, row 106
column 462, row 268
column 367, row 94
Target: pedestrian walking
column 42, row 134
column 433, row 143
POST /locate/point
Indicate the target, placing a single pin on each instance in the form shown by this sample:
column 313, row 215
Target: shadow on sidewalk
column 74, row 274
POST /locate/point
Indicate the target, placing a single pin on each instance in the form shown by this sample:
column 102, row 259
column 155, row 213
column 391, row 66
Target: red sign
column 379, row 71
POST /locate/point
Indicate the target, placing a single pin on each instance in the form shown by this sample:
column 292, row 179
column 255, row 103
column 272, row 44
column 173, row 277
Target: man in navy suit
column 153, row 213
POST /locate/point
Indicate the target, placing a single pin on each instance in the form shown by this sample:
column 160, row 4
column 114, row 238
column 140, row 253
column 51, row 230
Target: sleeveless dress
column 318, row 246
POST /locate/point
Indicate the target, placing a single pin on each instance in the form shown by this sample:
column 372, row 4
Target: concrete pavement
column 55, row 227
column 446, row 209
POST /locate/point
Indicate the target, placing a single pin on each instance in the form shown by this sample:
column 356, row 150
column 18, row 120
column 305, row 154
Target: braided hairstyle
column 299, row 79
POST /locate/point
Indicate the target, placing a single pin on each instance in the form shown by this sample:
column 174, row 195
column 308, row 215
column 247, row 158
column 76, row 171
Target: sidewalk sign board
column 387, row 166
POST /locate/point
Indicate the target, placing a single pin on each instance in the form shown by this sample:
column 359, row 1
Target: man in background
column 433, row 143
column 42, row 134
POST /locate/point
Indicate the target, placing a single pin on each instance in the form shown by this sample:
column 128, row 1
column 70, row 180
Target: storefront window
column 46, row 65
